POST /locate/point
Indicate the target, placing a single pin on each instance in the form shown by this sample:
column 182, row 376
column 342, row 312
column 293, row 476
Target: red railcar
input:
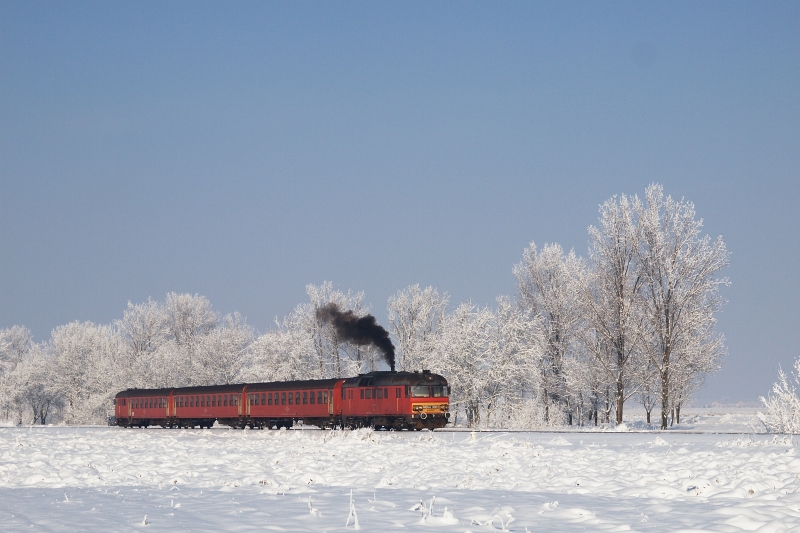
column 399, row 400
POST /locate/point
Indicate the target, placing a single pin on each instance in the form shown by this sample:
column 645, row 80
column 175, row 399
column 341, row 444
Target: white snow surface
column 111, row 479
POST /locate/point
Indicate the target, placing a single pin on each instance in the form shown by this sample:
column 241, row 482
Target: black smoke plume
column 362, row 331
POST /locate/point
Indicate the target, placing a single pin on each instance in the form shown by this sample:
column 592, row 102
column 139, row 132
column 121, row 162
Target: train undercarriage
column 412, row 422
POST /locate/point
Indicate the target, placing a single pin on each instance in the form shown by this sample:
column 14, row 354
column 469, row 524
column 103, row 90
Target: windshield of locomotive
column 420, row 391
column 426, row 391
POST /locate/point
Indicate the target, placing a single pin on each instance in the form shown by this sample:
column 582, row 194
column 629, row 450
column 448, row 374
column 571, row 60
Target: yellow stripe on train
column 430, row 408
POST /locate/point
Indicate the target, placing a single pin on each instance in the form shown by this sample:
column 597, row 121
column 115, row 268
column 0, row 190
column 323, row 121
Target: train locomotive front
column 396, row 400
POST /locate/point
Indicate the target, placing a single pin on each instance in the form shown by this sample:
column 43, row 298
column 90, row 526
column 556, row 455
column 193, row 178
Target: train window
column 255, row 397
column 380, row 394
column 367, row 394
column 319, row 396
column 214, row 401
column 361, row 391
column 305, row 397
column 325, row 396
column 269, row 398
column 219, row 400
column 208, row 401
column 397, row 392
column 291, row 397
column 297, row 398
column 439, row 391
column 386, row 392
column 420, row 391
column 313, row 396
column 408, row 391
column 202, row 401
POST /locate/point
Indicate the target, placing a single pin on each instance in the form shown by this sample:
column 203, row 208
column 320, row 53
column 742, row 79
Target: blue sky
column 243, row 150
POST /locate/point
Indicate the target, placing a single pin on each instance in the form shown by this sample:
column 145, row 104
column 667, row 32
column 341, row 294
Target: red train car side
column 398, row 400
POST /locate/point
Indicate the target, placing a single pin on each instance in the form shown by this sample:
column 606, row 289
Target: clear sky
column 242, row 150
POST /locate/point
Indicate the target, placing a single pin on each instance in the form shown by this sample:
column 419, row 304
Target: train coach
column 382, row 400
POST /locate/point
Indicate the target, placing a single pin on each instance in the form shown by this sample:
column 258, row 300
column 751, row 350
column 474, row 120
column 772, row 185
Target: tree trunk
column 648, row 416
column 620, row 399
column 664, row 399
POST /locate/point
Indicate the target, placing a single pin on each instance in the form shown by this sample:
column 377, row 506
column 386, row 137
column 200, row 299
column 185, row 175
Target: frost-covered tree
column 465, row 359
column 285, row 353
column 612, row 299
column 16, row 344
column 515, row 356
column 548, row 283
column 222, row 353
column 415, row 316
column 144, row 330
column 783, row 405
column 37, row 389
column 189, row 318
column 681, row 292
column 85, row 360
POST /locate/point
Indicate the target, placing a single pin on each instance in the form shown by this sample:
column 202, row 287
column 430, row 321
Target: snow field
column 101, row 479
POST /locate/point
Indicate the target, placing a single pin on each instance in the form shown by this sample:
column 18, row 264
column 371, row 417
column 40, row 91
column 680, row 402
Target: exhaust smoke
column 363, row 331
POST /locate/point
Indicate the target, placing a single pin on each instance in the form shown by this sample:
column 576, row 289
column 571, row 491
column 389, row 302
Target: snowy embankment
column 99, row 479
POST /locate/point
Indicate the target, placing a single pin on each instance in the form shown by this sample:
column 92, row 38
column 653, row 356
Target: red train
column 389, row 400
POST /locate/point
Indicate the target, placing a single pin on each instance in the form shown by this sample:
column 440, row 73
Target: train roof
column 300, row 384
column 364, row 380
column 395, row 378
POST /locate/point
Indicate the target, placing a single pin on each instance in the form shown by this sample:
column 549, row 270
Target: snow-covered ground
column 109, row 479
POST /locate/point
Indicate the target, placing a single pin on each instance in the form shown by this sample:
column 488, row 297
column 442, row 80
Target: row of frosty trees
column 635, row 320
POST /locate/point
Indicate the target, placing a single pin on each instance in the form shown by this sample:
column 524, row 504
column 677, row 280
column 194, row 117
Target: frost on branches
column 635, row 320
column 783, row 405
